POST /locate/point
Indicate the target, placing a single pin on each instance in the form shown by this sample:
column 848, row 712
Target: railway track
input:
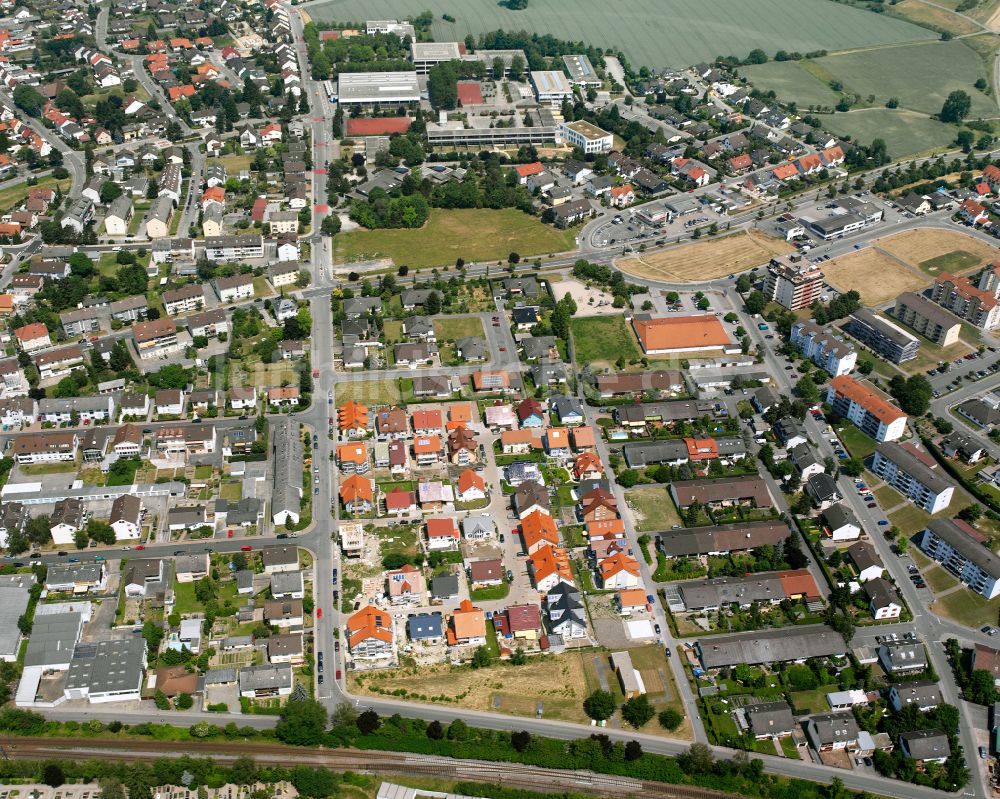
column 381, row 763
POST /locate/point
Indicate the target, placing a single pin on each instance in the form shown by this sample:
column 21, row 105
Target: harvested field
column 854, row 271
column 918, row 247
column 706, row 260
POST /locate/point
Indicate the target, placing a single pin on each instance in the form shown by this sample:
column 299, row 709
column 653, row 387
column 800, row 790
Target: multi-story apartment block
column 966, row 300
column 967, row 559
column 822, row 348
column 184, row 300
column 234, row 248
column 882, row 336
column 911, row 473
column 931, row 321
column 155, row 339
column 869, row 409
column 793, row 282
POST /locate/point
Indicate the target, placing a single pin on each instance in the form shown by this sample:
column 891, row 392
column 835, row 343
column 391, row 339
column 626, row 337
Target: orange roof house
column 605, row 528
column 6, row 304
column 680, row 334
column 702, row 449
column 810, row 163
column 598, row 505
column 538, row 529
column 354, row 454
column 442, row 529
column 426, row 421
column 525, row 171
column 798, row 584
column 785, row 172
column 356, row 493
column 556, row 438
column 352, row 417
column 467, row 625
column 549, row 565
column 177, row 92
column 460, row 413
column 470, row 480
column 521, row 440
column 631, row 598
column 10, row 229
column 619, row 570
column 427, row 445
column 583, row 438
column 588, row 466
column 32, row 332
column 370, row 629
column 490, row 381
column 213, row 194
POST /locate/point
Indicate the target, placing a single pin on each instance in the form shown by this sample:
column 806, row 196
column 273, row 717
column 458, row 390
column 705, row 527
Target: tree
column 37, row 530
column 520, row 740
column 481, row 657
column 914, row 393
column 301, row 723
column 184, row 701
column 161, row 700
column 670, row 719
column 971, row 513
column 330, row 226
column 112, row 788
column 458, row 730
column 110, row 191
column 807, row 390
column 956, row 107
column 637, row 711
column 600, row 705
column 698, row 758
column 435, row 731
column 852, row 467
column 52, row 775
column 755, row 302
column 368, row 722
column 432, row 306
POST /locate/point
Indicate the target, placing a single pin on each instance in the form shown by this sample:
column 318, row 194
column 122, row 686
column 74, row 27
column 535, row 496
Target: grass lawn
column 939, row 580
column 235, row 164
column 909, row 519
column 368, row 392
column 261, row 288
column 203, row 472
column 904, row 132
column 602, row 340
column 857, row 443
column 888, row 497
column 653, row 508
column 789, row 748
column 232, row 491
column 968, row 608
column 48, row 468
column 475, row 234
column 813, row 701
column 490, row 593
column 184, row 598
column 452, row 328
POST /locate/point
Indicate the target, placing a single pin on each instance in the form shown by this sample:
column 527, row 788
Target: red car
column 229, row 534
column 315, row 372
column 141, row 546
column 246, row 548
column 338, row 674
column 319, row 613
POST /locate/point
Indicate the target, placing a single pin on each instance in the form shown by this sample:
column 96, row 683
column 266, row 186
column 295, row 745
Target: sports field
column 706, row 260
column 855, row 271
column 935, row 251
column 904, row 132
column 657, row 33
column 475, row 234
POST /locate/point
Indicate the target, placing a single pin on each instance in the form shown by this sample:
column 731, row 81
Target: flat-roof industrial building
column 377, row 88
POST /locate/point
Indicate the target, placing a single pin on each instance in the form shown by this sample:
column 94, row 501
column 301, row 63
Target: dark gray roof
column 925, row 744
column 971, row 550
column 770, row 646
column 770, row 717
column 107, row 666
column 907, row 462
column 424, row 625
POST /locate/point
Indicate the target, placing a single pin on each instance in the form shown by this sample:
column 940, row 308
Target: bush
column 670, row 719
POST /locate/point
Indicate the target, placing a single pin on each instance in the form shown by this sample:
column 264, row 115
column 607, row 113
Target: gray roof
column 280, row 555
column 980, row 412
column 770, row 717
column 565, row 406
column 69, row 573
column 913, row 466
column 287, row 448
column 971, row 550
column 925, row 744
column 474, row 524
column 141, row 570
column 822, row 486
column 471, row 348
column 286, row 583
column 265, row 677
column 220, row 676
column 839, row 515
column 832, row 728
column 722, row 538
column 538, row 346
column 721, row 591
column 881, row 593
column 903, row 655
column 919, row 693
column 424, row 625
column 864, row 556
column 53, row 637
column 770, row 646
column 13, row 602
column 107, row 666
column 444, row 586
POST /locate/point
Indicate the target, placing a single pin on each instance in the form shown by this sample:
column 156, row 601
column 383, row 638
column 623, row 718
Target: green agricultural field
column 602, row 340
column 475, row 234
column 920, row 75
column 904, row 132
column 658, row 33
column 791, row 80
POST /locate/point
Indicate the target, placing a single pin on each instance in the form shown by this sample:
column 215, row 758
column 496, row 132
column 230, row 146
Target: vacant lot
column 602, row 340
column 968, row 608
column 367, row 392
column 924, row 14
column 475, row 234
column 855, row 271
column 904, row 132
column 657, row 33
column 456, row 327
column 793, row 81
column 560, row 684
column 653, row 509
column 935, row 251
column 13, row 196
column 920, row 75
column 706, row 260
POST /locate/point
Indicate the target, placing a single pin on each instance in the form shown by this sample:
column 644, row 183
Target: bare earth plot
column 656, row 33
column 935, row 251
column 855, row 271
column 706, row 260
